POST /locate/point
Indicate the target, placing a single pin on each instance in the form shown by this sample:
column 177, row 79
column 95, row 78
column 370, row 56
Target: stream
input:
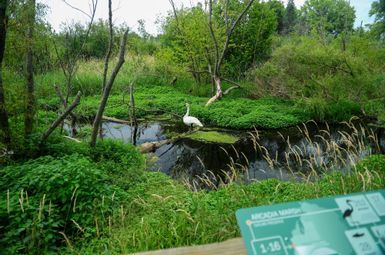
column 283, row 154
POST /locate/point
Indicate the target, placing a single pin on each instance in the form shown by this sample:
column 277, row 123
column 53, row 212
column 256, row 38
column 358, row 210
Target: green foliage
column 378, row 10
column 324, row 77
column 75, row 191
column 54, row 194
column 251, row 42
column 280, row 13
column 375, row 163
column 328, row 16
column 167, row 215
column 187, row 39
column 376, row 107
column 290, row 17
column 322, row 110
column 19, row 12
column 237, row 113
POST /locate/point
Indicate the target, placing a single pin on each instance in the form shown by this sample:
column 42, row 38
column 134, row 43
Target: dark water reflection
column 189, row 158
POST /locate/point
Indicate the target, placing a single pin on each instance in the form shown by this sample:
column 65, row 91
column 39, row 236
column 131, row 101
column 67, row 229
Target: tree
column 108, row 85
column 251, row 43
column 185, row 32
column 290, row 17
column 378, row 10
column 220, row 51
column 279, row 10
column 74, row 40
column 17, row 44
column 142, row 29
column 4, row 124
column 331, row 17
column 30, row 88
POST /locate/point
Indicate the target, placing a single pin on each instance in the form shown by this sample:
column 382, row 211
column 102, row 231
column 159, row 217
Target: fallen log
column 152, row 146
column 112, row 119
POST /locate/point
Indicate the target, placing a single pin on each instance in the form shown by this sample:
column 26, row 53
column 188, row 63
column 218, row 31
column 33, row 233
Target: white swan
column 189, row 120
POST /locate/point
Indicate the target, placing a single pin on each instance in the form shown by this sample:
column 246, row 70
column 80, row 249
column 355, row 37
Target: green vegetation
column 237, row 113
column 213, row 137
column 80, row 196
column 280, row 67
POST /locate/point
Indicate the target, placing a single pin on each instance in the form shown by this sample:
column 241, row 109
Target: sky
column 130, row 11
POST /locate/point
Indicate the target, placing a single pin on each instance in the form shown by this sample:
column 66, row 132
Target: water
column 191, row 159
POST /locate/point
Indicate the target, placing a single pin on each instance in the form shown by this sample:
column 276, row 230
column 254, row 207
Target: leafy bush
column 322, row 110
column 326, row 78
column 52, row 195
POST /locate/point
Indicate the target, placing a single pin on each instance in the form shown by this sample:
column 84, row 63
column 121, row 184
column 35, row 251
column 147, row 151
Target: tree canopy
column 378, row 10
column 328, row 16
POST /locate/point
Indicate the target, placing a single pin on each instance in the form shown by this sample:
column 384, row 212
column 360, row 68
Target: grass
column 168, row 215
column 213, row 137
column 79, row 201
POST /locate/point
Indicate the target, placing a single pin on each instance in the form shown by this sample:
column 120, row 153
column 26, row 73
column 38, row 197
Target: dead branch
column 106, row 92
column 112, row 119
column 227, row 91
column 75, row 8
column 61, row 118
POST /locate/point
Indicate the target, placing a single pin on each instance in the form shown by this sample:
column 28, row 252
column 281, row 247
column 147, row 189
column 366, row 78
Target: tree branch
column 75, row 8
column 230, row 32
column 213, row 36
column 227, row 91
column 61, row 118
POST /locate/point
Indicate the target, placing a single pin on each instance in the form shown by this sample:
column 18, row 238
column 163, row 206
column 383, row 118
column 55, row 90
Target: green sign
column 351, row 224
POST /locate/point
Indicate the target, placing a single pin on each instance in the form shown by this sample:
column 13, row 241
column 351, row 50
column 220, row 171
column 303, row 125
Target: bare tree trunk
column 110, row 41
column 4, row 124
column 61, row 118
column 106, row 92
column 219, row 56
column 132, row 105
column 30, row 95
column 134, row 122
column 218, row 94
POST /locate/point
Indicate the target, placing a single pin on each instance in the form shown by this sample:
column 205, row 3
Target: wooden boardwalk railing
column 229, row 247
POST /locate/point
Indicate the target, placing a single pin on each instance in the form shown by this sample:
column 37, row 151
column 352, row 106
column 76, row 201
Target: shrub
column 52, row 195
column 328, row 79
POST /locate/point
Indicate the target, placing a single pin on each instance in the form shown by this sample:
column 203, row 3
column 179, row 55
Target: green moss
column 213, row 137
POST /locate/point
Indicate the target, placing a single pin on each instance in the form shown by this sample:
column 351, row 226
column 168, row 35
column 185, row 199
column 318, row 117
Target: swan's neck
column 188, row 111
